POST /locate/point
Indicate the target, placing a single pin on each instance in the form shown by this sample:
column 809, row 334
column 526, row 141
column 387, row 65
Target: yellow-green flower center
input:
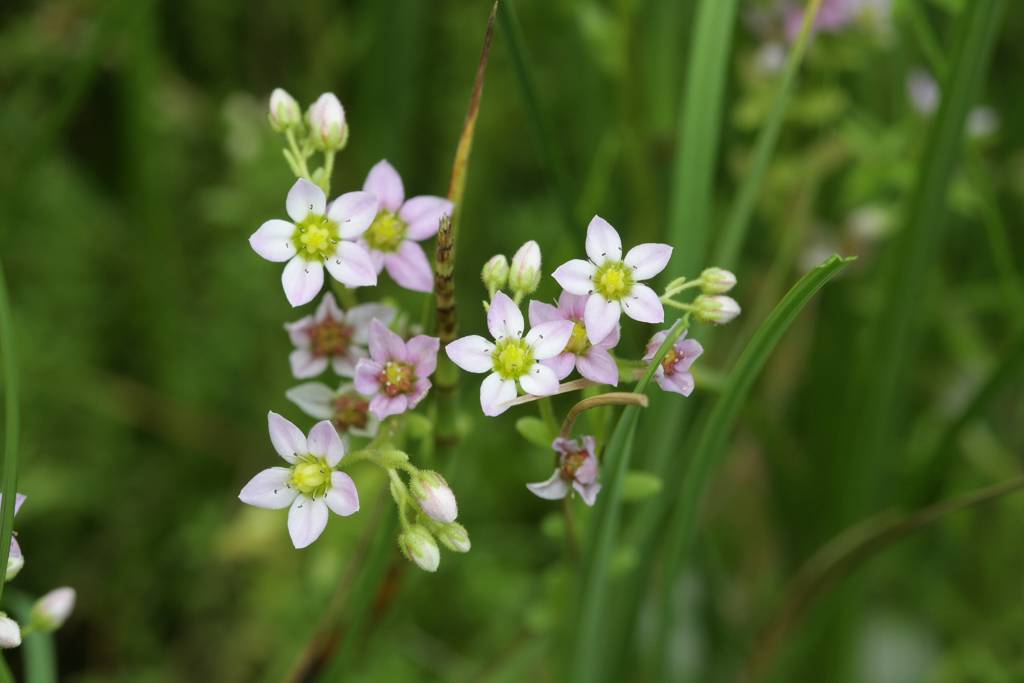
column 613, row 280
column 397, row 378
column 386, row 232
column 311, row 476
column 316, row 237
column 512, row 358
column 578, row 342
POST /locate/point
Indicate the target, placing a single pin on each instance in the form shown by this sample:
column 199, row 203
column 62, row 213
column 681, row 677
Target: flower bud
column 495, row 274
column 716, row 309
column 284, row 111
column 10, row 632
column 716, row 281
column 454, row 537
column 434, row 496
column 14, row 565
column 327, row 123
column 419, row 546
column 524, row 275
column 53, row 609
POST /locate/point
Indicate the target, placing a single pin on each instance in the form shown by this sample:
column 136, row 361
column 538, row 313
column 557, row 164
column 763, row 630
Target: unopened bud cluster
column 428, row 510
column 711, row 305
column 323, row 129
column 521, row 277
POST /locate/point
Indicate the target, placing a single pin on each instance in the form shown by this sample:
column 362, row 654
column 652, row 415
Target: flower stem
column 328, row 169
column 612, row 398
column 678, row 304
column 9, row 481
column 675, row 288
column 300, row 157
column 564, row 388
column 547, row 413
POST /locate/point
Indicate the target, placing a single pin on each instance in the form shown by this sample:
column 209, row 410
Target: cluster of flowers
column 580, row 332
column 48, row 613
column 384, row 374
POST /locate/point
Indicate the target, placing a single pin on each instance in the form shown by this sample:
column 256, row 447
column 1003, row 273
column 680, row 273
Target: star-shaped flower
column 332, row 336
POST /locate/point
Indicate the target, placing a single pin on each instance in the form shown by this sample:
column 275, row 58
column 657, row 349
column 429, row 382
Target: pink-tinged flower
column 346, row 408
column 326, row 119
column 511, row 359
column 673, row 373
column 611, row 283
column 320, row 237
column 592, row 360
column 15, row 560
column 575, row 469
column 309, row 485
column 923, row 92
column 399, row 225
column 332, row 336
column 396, row 372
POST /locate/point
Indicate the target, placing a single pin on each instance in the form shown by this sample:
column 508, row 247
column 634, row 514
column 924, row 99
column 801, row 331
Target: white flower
column 613, row 283
column 310, row 485
column 332, row 336
column 511, row 359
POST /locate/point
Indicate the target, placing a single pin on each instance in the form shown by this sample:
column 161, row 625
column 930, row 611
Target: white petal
column 359, row 318
column 270, row 489
column 353, row 212
column 539, row 381
column 601, row 317
column 305, row 364
column 273, row 240
column 495, row 393
column 307, row 519
column 328, row 309
column 504, row 319
column 305, row 198
column 324, row 441
column 302, row 280
column 288, row 440
column 603, row 243
column 472, row 353
column 549, row 339
column 352, row 266
column 314, row 399
column 554, row 488
column 647, row 260
column 643, row 305
column 342, row 498
column 576, row 276
column 588, row 492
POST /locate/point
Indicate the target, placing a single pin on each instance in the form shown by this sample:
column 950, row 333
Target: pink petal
column 410, row 268
column 359, row 318
column 603, row 243
column 328, row 309
column 383, row 180
column 612, row 340
column 419, row 392
column 352, row 266
column 572, row 305
column 367, row 372
column 472, row 353
column 385, row 345
column 656, row 341
column 495, row 393
column 597, row 365
column 307, row 519
column 19, row 500
column 423, row 214
column 298, row 331
column 601, row 317
column 421, row 351
column 270, row 489
column 377, row 257
column 539, row 381
column 549, row 339
column 383, row 406
column 342, row 498
column 647, row 260
column 689, row 351
column 324, row 441
column 540, row 312
column 643, row 305
column 561, row 365
column 588, row 492
column 273, row 240
column 288, row 440
column 354, row 213
column 302, row 280
column 554, row 488
column 504, row 319
column 305, row 198
column 343, row 366
column 677, row 382
column 305, row 364
column 576, row 276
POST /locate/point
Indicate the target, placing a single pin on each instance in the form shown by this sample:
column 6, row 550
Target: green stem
column 547, row 413
column 9, row 482
column 299, row 155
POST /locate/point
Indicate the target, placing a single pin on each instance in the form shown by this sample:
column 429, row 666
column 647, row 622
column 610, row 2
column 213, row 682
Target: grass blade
column 9, row 482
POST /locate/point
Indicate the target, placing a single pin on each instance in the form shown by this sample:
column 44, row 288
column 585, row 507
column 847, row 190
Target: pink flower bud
column 524, row 275
column 284, row 111
column 53, row 609
column 434, row 496
column 716, row 309
column 327, row 122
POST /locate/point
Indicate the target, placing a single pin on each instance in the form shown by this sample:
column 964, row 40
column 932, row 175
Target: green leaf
column 9, row 483
column 535, row 431
column 640, row 486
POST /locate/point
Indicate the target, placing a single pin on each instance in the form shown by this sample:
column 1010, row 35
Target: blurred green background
column 137, row 161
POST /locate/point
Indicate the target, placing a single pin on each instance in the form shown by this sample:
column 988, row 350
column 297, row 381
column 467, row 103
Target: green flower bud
column 284, row 111
column 716, row 281
column 716, row 309
column 53, row 609
column 454, row 537
column 495, row 274
column 524, row 274
column 419, row 546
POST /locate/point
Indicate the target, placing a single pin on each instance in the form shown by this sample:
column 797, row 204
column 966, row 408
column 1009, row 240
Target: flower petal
column 540, row 312
column 423, row 215
column 307, row 519
column 342, row 498
column 601, row 317
column 472, row 353
column 554, row 488
column 288, row 440
column 495, row 393
column 421, row 351
column 603, row 242
column 504, row 319
column 572, row 305
column 643, row 305
column 539, row 381
column 352, row 266
column 383, row 406
column 612, row 340
column 359, row 318
column 314, row 399
column 655, row 343
column 588, row 492
column 305, row 198
column 19, row 500
column 328, row 309
column 561, row 365
column 383, row 180
column 549, row 339
column 324, row 441
column 302, row 280
column 385, row 345
column 418, row 392
column 576, row 276
column 689, row 351
column 367, row 372
column 410, row 268
column 597, row 365
column 298, row 332
column 271, row 489
column 305, row 364
column 273, row 240
column 677, row 382
column 354, row 213
column 647, row 260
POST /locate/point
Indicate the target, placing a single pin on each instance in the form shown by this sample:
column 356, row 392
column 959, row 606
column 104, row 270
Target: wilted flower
column 524, row 274
column 575, row 468
column 511, row 359
column 309, row 485
column 319, row 238
column 399, row 225
column 613, row 284
column 495, row 274
column 10, row 632
column 419, row 546
column 432, row 493
column 51, row 611
column 716, row 309
column 396, row 373
column 592, row 360
column 673, row 373
column 284, row 110
column 333, row 336
column 346, row 408
column 326, row 119
column 15, row 560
